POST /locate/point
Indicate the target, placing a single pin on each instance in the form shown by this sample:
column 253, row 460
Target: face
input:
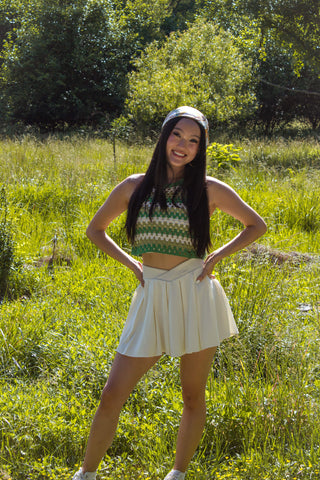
column 182, row 146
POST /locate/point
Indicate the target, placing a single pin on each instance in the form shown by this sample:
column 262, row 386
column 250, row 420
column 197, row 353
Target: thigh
column 125, row 373
column 194, row 371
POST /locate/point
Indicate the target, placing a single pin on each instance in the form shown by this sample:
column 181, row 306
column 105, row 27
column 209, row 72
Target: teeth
column 179, row 154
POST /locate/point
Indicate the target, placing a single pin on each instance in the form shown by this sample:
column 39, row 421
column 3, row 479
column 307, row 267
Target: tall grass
column 61, row 323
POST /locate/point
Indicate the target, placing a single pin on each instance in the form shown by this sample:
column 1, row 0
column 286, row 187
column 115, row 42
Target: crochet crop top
column 168, row 230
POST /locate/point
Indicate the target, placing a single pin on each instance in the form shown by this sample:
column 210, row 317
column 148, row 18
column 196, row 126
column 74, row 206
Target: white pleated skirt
column 173, row 315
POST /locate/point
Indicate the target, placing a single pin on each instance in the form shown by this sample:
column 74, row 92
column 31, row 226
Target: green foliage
column 16, row 280
column 120, row 128
column 283, row 95
column 221, row 156
column 280, row 39
column 293, row 23
column 67, row 64
column 201, row 67
column 183, row 12
column 304, row 202
column 58, row 342
column 143, row 20
column 149, row 20
column 287, row 157
column 6, row 244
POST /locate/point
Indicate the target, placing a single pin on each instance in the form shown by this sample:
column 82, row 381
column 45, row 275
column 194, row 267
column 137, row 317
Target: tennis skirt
column 174, row 315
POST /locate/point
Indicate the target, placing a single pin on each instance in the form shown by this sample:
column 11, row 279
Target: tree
column 296, row 23
column 149, row 20
column 201, row 67
column 281, row 39
column 68, row 63
column 6, row 22
column 143, row 20
column 292, row 23
column 282, row 94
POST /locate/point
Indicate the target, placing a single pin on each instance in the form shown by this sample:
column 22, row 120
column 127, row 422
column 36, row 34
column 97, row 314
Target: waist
column 163, row 261
column 183, row 268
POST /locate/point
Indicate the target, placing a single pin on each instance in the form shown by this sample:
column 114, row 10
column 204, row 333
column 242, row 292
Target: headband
column 190, row 112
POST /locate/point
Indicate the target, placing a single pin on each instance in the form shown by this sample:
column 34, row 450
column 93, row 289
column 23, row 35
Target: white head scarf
column 190, row 112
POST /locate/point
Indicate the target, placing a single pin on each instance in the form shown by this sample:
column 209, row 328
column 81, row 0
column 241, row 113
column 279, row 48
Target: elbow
column 258, row 228
column 262, row 227
column 94, row 234
column 89, row 232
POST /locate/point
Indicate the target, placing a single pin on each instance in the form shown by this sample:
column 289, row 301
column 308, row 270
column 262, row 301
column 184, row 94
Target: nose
column 182, row 142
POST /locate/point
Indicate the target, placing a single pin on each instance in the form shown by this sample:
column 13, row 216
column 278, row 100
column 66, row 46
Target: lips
column 179, row 154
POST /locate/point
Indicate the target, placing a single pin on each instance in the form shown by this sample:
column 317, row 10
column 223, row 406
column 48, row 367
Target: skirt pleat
column 172, row 314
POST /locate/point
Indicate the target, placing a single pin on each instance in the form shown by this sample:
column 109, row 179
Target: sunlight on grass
column 66, row 304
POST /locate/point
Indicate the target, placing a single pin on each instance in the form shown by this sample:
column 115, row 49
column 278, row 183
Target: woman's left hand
column 227, row 200
column 208, row 267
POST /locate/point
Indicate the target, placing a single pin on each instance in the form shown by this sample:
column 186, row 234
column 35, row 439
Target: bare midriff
column 162, row 260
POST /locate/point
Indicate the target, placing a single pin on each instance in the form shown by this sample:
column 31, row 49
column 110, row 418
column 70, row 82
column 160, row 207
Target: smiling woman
column 179, row 308
column 182, row 147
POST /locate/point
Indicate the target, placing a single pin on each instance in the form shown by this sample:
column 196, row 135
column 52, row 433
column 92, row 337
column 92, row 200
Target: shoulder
column 128, row 185
column 218, row 192
column 135, row 179
column 216, row 187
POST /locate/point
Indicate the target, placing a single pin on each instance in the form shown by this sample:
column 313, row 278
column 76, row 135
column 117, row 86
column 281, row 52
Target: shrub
column 201, row 67
column 221, row 156
column 66, row 64
column 6, row 244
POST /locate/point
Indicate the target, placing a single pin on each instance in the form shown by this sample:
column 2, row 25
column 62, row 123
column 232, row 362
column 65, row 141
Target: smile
column 179, row 154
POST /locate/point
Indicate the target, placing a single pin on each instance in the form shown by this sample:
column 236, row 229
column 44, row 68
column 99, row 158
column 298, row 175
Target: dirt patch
column 277, row 257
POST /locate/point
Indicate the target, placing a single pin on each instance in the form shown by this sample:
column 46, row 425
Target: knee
column 110, row 400
column 193, row 400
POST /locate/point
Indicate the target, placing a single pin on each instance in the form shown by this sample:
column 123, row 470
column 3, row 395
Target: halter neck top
column 168, row 230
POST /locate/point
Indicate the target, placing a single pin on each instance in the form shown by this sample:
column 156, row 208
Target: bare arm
column 227, row 200
column 116, row 203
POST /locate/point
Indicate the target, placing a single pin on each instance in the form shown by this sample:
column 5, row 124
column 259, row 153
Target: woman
column 179, row 308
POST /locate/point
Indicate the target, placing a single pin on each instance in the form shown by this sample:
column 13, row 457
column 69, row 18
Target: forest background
column 119, row 66
column 84, row 87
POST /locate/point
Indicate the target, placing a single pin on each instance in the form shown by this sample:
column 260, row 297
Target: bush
column 6, row 245
column 66, row 64
column 222, row 157
column 201, row 67
column 282, row 93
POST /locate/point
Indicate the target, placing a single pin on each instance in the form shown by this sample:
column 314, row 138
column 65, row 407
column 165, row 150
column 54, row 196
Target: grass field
column 66, row 303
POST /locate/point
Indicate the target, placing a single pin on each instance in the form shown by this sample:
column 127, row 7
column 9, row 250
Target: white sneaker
column 84, row 476
column 175, row 475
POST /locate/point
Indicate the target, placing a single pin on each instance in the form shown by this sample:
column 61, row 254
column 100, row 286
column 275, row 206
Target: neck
column 174, row 176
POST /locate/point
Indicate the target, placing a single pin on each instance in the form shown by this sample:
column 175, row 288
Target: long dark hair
column 194, row 190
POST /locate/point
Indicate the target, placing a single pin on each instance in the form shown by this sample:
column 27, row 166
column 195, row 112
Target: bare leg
column 124, row 375
column 195, row 368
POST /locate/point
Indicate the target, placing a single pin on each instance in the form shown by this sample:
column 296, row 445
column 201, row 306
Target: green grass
column 60, row 325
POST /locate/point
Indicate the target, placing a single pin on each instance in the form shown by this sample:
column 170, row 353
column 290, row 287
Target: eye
column 177, row 134
column 194, row 141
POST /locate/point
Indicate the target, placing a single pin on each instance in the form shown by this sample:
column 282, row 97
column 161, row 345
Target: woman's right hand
column 116, row 203
column 138, row 271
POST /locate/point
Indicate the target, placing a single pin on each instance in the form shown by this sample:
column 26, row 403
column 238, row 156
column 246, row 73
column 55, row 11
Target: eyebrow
column 193, row 135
